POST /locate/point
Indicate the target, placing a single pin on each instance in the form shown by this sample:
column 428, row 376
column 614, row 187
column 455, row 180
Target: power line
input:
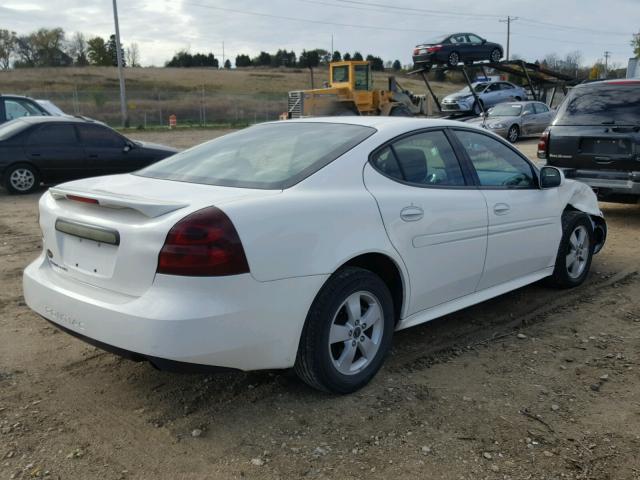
column 424, row 10
column 306, row 20
column 571, row 27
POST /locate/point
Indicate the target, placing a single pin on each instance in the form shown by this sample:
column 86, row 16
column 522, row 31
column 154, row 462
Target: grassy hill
column 195, row 95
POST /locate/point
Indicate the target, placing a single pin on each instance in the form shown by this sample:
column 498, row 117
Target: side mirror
column 128, row 146
column 550, row 177
column 484, row 40
column 525, row 113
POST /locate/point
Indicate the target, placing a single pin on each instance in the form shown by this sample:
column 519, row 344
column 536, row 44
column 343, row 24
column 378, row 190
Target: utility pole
column 332, row 45
column 607, row 54
column 508, row 21
column 223, row 54
column 123, row 95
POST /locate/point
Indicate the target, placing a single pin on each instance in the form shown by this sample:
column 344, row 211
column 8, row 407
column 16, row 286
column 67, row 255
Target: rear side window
column 423, row 159
column 100, row 137
column 601, row 104
column 270, row 156
column 61, row 134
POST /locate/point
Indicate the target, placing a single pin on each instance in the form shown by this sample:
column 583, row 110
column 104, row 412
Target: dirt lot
column 536, row 384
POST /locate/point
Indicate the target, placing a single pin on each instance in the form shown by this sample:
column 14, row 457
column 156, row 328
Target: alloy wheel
column 495, row 56
column 578, row 254
column 513, row 134
column 22, row 179
column 356, row 333
column 454, row 59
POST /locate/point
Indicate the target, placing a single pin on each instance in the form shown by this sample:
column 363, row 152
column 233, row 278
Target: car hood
column 489, row 120
column 459, row 96
column 156, row 146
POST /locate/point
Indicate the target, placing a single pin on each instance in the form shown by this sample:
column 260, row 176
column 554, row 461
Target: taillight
column 78, row 198
column 543, row 144
column 434, row 48
column 416, row 51
column 203, row 244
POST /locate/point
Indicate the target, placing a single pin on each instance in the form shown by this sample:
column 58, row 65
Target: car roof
column 36, row 119
column 616, row 81
column 378, row 122
column 11, row 95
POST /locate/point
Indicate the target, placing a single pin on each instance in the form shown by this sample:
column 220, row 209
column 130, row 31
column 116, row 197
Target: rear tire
column 339, row 351
column 575, row 251
column 21, row 178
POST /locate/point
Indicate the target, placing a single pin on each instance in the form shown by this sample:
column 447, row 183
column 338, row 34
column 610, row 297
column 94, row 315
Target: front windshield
column 506, row 110
column 478, row 88
column 269, row 156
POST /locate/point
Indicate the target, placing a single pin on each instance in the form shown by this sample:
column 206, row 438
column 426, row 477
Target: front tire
column 575, row 251
column 347, row 333
column 495, row 55
column 21, row 179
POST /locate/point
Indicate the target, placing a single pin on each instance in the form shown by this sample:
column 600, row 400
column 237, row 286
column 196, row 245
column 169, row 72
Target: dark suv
column 595, row 138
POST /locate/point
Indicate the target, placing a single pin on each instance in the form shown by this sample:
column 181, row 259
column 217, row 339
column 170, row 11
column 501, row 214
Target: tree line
column 310, row 59
column 50, row 47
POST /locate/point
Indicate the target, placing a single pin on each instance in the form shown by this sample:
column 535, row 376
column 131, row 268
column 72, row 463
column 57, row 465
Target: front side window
column 100, row 137
column 494, row 87
column 424, row 159
column 61, row 134
column 528, row 109
column 474, row 39
column 495, row 163
column 541, row 108
column 506, row 86
column 269, row 156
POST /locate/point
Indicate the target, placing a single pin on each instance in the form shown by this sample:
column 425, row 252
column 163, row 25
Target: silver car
column 513, row 120
column 489, row 93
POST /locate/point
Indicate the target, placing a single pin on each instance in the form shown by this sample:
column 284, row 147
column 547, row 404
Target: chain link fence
column 152, row 108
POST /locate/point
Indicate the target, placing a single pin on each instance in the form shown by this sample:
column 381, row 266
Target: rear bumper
column 233, row 322
column 424, row 59
column 607, row 183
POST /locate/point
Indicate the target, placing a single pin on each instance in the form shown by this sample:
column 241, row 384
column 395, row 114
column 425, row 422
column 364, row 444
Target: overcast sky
column 388, row 28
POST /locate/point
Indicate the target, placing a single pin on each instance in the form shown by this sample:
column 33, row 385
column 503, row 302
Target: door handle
column 411, row 214
column 35, row 154
column 501, row 208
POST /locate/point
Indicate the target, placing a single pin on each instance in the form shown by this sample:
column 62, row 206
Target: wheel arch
column 389, row 271
column 599, row 226
column 6, row 169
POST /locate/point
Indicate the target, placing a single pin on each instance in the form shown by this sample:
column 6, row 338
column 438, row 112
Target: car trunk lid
column 99, row 232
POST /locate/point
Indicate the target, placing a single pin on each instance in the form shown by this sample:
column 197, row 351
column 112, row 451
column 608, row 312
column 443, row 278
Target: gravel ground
column 535, row 384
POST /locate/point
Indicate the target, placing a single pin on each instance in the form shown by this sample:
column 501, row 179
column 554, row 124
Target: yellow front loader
column 350, row 92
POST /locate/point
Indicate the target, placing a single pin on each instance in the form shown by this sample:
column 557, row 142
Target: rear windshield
column 601, row 105
column 268, row 156
column 11, row 128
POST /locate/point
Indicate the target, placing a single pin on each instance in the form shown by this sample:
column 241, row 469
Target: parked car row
column 207, row 241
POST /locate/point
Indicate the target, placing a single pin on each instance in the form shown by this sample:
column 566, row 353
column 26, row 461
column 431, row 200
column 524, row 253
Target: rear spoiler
column 147, row 206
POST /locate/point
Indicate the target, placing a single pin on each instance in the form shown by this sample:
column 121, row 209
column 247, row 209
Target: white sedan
column 305, row 244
